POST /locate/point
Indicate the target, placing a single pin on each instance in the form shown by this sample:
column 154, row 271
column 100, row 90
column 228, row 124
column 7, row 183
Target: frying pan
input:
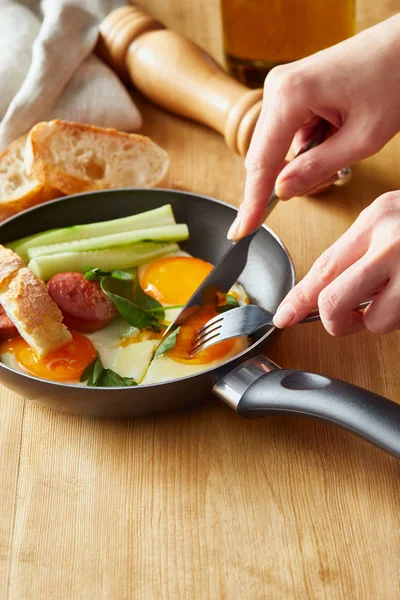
column 250, row 383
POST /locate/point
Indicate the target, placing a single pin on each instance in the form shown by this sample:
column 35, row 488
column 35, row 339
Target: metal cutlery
column 242, row 321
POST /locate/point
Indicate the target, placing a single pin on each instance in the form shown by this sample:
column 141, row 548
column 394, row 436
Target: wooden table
column 202, row 504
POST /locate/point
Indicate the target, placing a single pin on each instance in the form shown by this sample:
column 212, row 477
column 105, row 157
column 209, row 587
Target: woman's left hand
column 364, row 261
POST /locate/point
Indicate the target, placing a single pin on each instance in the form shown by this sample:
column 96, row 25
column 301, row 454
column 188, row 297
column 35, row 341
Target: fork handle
column 299, row 393
column 315, row 316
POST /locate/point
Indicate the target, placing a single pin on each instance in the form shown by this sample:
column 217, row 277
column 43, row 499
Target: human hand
column 364, row 261
column 354, row 85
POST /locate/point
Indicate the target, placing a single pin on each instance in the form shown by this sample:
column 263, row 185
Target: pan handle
column 268, row 390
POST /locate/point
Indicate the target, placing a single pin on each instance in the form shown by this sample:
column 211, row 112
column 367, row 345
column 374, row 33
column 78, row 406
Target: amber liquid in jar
column 261, row 34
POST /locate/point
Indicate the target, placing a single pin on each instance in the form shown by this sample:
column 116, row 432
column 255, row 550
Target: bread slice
column 28, row 305
column 17, row 190
column 75, row 158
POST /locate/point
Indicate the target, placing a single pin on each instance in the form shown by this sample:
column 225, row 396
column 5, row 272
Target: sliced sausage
column 83, row 303
column 7, row 328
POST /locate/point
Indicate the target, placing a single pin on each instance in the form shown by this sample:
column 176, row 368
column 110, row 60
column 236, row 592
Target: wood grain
column 201, row 504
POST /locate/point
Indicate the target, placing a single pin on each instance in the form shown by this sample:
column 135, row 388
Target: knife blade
column 221, row 278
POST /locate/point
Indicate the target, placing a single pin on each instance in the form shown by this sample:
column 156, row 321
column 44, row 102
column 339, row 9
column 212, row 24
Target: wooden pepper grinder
column 178, row 75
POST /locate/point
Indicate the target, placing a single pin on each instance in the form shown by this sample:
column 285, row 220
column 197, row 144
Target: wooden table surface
column 202, row 504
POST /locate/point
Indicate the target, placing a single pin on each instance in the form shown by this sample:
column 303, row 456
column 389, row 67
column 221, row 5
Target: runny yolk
column 64, row 364
column 184, row 341
column 174, row 279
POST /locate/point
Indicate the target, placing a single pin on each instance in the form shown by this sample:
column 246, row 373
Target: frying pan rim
column 169, row 381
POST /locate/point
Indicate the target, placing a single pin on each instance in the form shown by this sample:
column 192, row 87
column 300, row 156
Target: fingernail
column 235, row 228
column 287, row 188
column 284, row 315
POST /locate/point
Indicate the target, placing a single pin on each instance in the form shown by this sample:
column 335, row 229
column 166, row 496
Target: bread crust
column 75, row 158
column 28, row 305
column 17, row 190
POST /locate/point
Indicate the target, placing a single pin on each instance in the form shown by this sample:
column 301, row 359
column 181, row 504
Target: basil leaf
column 87, row 373
column 231, row 303
column 132, row 302
column 97, row 371
column 147, row 302
column 168, row 343
column 122, row 275
column 131, row 312
column 96, row 274
column 93, row 372
column 97, row 376
column 110, row 378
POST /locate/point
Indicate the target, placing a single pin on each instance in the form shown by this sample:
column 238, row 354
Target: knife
column 233, row 262
column 221, row 278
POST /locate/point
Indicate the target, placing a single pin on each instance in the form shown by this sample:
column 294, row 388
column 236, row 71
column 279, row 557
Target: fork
column 244, row 320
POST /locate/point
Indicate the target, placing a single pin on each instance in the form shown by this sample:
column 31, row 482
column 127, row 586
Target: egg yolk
column 184, row 341
column 64, row 364
column 174, row 279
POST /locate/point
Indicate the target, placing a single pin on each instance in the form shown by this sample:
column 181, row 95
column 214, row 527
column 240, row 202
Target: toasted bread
column 76, row 158
column 17, row 190
column 28, row 305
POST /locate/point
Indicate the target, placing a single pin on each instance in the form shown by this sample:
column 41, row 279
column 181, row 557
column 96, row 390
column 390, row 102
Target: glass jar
column 261, row 34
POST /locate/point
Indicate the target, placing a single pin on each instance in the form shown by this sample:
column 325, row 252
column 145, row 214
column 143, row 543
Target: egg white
column 164, row 368
column 128, row 361
column 134, row 359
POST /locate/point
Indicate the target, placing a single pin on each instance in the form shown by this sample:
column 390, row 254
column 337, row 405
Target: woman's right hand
column 354, row 85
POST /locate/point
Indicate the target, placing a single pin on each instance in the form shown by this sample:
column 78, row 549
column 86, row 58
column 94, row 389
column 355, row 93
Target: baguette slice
column 75, row 158
column 28, row 305
column 17, row 190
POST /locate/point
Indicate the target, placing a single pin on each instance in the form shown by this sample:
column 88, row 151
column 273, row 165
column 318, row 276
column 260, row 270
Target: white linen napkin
column 48, row 69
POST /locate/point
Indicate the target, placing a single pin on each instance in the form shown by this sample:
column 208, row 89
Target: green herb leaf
column 97, row 376
column 165, row 308
column 110, row 378
column 97, row 371
column 146, row 302
column 93, row 372
column 131, row 312
column 168, row 343
column 231, row 303
column 96, row 274
column 132, row 302
column 87, row 373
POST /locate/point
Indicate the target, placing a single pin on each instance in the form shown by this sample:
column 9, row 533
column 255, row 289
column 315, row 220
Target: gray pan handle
column 368, row 415
column 289, row 392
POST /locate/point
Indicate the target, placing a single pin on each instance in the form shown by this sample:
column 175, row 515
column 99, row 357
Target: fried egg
column 65, row 365
column 173, row 280
column 128, row 351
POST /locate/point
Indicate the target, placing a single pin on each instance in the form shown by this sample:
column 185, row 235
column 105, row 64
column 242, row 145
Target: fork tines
column 207, row 334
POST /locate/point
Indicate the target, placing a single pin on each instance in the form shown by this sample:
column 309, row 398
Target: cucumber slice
column 119, row 258
column 24, row 240
column 158, row 217
column 170, row 233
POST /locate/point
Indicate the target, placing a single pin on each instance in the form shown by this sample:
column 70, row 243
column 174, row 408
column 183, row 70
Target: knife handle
column 178, row 75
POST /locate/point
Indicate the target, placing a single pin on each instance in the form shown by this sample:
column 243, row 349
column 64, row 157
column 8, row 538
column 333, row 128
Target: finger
column 383, row 314
column 323, row 186
column 337, row 301
column 305, row 133
column 303, row 298
column 310, row 169
column 268, row 149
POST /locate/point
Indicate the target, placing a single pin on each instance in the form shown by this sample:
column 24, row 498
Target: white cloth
column 48, row 69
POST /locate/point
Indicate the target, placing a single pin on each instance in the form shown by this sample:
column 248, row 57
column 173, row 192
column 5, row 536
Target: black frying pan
column 250, row 383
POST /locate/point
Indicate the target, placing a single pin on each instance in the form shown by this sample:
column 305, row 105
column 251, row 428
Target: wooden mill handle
column 178, row 75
